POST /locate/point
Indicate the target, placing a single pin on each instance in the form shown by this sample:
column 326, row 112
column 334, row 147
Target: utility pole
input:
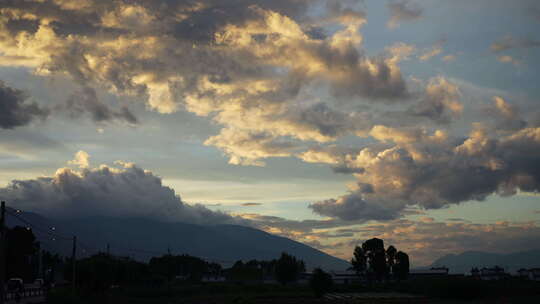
column 2, row 252
column 169, row 258
column 108, row 249
column 40, row 263
column 74, row 262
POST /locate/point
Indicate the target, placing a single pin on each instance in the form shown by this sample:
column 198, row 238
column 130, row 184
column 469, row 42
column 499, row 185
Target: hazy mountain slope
column 511, row 262
column 143, row 238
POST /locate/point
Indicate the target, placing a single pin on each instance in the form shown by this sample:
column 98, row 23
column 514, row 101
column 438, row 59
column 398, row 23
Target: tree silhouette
column 402, row 265
column 21, row 247
column 321, row 282
column 190, row 267
column 376, row 256
column 378, row 263
column 51, row 263
column 391, row 258
column 358, row 261
column 288, row 268
column 250, row 271
column 99, row 272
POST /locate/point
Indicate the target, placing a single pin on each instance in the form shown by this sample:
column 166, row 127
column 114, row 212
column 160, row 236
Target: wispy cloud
column 403, row 11
column 510, row 42
column 250, row 204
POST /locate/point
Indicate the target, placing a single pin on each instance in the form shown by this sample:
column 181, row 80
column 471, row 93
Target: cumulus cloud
column 15, row 111
column 278, row 83
column 433, row 170
column 403, row 11
column 246, row 64
column 338, row 157
column 82, row 160
column 506, row 115
column 124, row 190
column 440, row 102
column 510, row 42
column 247, row 148
column 352, row 207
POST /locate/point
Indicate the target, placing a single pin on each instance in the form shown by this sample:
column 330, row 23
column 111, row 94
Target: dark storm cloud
column 128, row 191
column 86, row 101
column 15, row 111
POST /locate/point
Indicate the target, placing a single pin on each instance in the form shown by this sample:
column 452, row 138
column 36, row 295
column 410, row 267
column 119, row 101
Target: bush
column 321, row 282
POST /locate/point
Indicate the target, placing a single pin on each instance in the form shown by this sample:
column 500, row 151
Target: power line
column 35, row 227
column 91, row 249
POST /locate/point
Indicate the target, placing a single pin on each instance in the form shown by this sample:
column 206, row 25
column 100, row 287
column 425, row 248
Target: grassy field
column 444, row 290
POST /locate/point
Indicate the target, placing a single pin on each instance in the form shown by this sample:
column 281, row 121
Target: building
column 529, row 274
column 344, row 277
column 523, row 273
column 212, row 278
column 428, row 273
column 475, row 273
column 534, row 274
column 494, row 273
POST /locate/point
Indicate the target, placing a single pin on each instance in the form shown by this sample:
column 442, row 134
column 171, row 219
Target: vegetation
column 376, row 263
column 21, row 253
column 321, row 282
column 183, row 266
column 288, row 268
column 179, row 278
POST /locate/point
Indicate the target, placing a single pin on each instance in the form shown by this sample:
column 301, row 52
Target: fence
column 25, row 293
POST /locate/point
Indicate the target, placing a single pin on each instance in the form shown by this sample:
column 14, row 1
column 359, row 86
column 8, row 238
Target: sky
column 326, row 121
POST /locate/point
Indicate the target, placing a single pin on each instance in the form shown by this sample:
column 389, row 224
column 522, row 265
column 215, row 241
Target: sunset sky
column 326, row 121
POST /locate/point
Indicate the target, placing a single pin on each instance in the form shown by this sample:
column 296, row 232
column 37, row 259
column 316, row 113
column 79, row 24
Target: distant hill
column 143, row 238
column 462, row 263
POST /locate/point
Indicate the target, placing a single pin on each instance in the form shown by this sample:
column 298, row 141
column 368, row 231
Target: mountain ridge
column 143, row 238
column 463, row 262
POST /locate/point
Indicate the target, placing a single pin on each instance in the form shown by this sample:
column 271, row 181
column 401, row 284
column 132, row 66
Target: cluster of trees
column 185, row 266
column 21, row 253
column 285, row 270
column 101, row 271
column 25, row 258
column 372, row 260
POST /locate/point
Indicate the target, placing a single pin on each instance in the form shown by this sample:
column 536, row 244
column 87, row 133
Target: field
column 444, row 290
